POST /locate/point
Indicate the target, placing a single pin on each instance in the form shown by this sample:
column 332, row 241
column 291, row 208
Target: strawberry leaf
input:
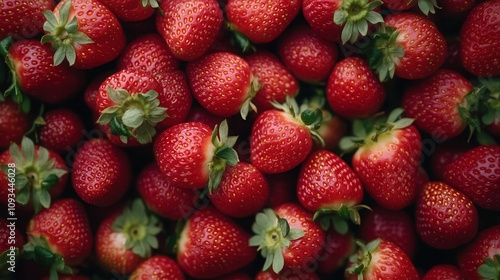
column 355, row 15
column 490, row 270
column 428, row 6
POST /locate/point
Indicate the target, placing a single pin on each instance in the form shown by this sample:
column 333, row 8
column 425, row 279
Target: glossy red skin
column 63, row 130
column 269, row 275
column 212, row 245
column 433, row 103
column 308, row 57
column 8, row 241
column 326, row 181
column 102, row 27
column 192, row 40
column 485, row 245
column 443, row 272
column 476, row 173
column 319, row 15
column 13, row 123
column 479, row 50
column 129, row 10
column 217, row 73
column 261, row 21
column 157, row 267
column 278, row 142
column 101, row 172
column 388, row 169
column 39, row 78
column 66, row 228
column 398, row 5
column 428, row 40
column 162, row 198
column 445, row 218
column 14, row 21
column 181, row 152
column 338, row 249
column 331, row 131
column 276, row 80
column 353, row 90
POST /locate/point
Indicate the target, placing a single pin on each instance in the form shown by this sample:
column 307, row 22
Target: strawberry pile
column 250, row 139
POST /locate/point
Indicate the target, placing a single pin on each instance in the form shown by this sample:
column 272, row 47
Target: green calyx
column 63, row 34
column 355, row 16
column 13, row 90
column 150, row 3
column 133, row 115
column 240, row 40
column 428, row 6
column 139, row 228
column 224, row 154
column 490, row 270
column 38, row 250
column 247, row 105
column 338, row 217
column 35, row 174
column 272, row 236
column 361, row 260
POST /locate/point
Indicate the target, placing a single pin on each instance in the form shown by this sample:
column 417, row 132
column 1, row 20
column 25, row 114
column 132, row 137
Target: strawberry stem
column 39, row 251
column 383, row 52
column 355, row 16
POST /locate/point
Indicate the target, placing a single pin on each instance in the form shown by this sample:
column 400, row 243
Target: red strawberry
column 398, row 5
column 189, row 27
column 476, row 173
column 445, row 218
column 14, row 123
column 338, row 248
column 132, row 10
column 124, row 240
column 269, row 275
column 32, row 174
column 454, row 8
column 443, row 154
column 60, row 236
column 380, row 259
column 211, row 245
column 95, row 37
column 101, row 172
column 159, row 267
column 332, row 129
column 443, row 272
column 282, row 187
column 471, row 259
column 287, row 238
column 479, row 50
column 62, row 130
column 223, row 72
column 23, row 19
column 353, row 90
column 243, row 191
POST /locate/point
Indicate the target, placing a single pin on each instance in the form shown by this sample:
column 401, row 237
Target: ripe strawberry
column 269, row 275
column 59, row 237
column 476, row 173
column 443, row 154
column 192, row 155
column 443, row 272
column 62, row 130
column 243, row 191
column 479, row 51
column 131, row 103
column 353, row 90
column 14, row 123
column 332, row 129
column 282, row 188
column 211, row 245
column 397, row 5
column 189, row 27
column 101, row 172
column 159, row 267
column 84, row 32
column 380, row 259
column 387, row 160
column 287, row 238
column 456, row 8
column 409, row 46
column 15, row 19
column 337, row 250
column 32, row 174
column 223, row 72
column 445, row 218
column 125, row 239
column 132, row 10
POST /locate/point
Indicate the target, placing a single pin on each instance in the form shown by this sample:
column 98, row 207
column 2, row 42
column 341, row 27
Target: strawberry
column 85, row 33
column 434, row 103
column 14, row 123
column 288, row 238
column 443, row 154
column 243, row 191
column 124, row 240
column 192, row 155
column 445, row 218
column 337, row 250
column 387, row 159
column 62, row 130
column 189, row 27
column 409, row 46
column 380, row 259
column 454, row 8
column 332, row 129
column 15, row 19
column 101, row 172
column 479, row 51
column 282, row 187
column 269, row 275
column 353, row 90
column 476, row 173
column 397, row 5
column 131, row 103
column 59, row 237
column 211, row 245
column 443, row 272
column 471, row 259
column 32, row 174
column 223, row 72
column 132, row 10
column 159, row 267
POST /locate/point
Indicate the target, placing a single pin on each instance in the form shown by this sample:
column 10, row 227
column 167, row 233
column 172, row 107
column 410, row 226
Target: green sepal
column 362, row 258
column 240, row 41
column 338, row 217
column 355, row 16
column 428, row 6
column 255, row 86
column 38, row 250
column 490, row 269
column 382, row 52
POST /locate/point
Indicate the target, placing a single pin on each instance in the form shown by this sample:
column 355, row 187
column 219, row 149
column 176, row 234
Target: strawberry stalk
column 427, row 6
column 247, row 104
column 490, row 270
column 361, row 260
column 355, row 16
column 40, row 252
column 338, row 217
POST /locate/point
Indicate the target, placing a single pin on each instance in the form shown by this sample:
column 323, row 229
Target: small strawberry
column 211, row 245
column 189, row 27
column 101, row 172
column 62, row 130
column 132, row 10
column 14, row 123
column 15, row 19
column 157, row 267
column 445, row 218
column 337, row 250
column 85, row 33
column 443, row 272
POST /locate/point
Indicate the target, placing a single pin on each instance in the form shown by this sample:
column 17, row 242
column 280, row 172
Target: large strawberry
column 159, row 267
column 132, row 10
column 23, row 19
column 14, row 123
column 85, row 33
